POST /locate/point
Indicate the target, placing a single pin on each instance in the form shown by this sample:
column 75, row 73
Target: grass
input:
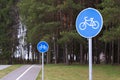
column 80, row 72
column 8, row 70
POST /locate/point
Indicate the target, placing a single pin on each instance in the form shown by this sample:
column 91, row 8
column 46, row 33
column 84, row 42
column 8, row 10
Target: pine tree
column 8, row 29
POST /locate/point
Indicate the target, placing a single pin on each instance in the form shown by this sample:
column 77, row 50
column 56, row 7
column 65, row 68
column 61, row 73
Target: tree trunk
column 57, row 50
column 106, row 55
column 95, row 52
column 55, row 54
column 118, row 52
column 40, row 58
column 112, row 45
column 48, row 57
column 109, row 53
column 81, row 54
column 66, row 53
column 28, row 48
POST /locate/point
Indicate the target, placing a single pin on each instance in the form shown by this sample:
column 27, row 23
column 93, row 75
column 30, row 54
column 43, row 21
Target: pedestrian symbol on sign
column 43, row 47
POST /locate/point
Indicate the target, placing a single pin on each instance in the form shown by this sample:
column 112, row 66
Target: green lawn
column 8, row 70
column 80, row 72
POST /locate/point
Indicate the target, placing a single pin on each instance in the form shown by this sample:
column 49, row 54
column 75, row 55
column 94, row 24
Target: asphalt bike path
column 4, row 66
column 26, row 72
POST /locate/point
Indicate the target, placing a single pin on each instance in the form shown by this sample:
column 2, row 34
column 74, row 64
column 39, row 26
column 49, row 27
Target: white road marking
column 24, row 72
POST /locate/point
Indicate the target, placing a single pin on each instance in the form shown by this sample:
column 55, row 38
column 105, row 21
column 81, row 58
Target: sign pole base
column 90, row 58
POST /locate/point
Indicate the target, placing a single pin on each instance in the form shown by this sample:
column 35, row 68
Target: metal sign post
column 42, row 47
column 42, row 66
column 90, row 58
column 88, row 24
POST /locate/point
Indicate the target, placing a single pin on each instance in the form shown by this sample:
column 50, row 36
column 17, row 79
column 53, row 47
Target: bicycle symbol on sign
column 43, row 47
column 90, row 22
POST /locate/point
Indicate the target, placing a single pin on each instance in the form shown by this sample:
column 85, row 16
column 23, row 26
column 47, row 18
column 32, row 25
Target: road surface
column 26, row 72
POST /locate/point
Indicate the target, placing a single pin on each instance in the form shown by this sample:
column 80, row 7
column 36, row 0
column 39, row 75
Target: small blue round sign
column 42, row 46
column 89, row 22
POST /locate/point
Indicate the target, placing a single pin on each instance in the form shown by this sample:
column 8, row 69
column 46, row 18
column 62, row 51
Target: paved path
column 4, row 66
column 26, row 72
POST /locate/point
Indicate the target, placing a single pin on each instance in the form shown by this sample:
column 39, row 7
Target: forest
column 54, row 21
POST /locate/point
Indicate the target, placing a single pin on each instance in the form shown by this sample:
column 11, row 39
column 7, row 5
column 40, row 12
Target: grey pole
column 90, row 58
column 42, row 66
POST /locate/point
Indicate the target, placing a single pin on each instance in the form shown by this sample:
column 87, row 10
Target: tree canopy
column 8, row 28
column 54, row 22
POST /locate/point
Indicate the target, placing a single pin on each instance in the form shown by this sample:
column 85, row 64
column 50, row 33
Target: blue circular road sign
column 42, row 46
column 89, row 22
